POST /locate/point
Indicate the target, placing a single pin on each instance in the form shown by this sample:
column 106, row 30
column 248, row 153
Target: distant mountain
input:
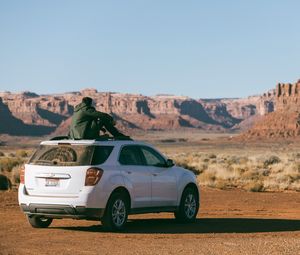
column 284, row 121
column 45, row 114
column 14, row 126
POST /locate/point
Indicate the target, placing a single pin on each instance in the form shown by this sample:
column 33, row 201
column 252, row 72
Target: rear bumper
column 62, row 211
column 82, row 205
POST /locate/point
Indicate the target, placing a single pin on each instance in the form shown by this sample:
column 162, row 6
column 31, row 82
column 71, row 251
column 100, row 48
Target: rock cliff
column 284, row 122
column 53, row 112
column 14, row 126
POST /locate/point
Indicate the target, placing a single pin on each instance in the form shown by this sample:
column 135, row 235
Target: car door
column 134, row 170
column 164, row 181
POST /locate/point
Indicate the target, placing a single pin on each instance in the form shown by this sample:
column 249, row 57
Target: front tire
column 189, row 206
column 116, row 213
column 39, row 221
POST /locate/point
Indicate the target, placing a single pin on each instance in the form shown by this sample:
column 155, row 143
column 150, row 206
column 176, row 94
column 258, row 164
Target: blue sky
column 202, row 49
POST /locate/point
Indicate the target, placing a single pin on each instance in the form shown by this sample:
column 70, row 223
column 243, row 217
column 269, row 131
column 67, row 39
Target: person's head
column 87, row 101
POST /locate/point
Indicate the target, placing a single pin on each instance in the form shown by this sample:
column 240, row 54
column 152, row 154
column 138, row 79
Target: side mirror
column 169, row 163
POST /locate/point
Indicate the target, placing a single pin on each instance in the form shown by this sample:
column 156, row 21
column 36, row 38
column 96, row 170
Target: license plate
column 52, row 182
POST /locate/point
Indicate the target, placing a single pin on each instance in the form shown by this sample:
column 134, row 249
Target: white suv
column 104, row 180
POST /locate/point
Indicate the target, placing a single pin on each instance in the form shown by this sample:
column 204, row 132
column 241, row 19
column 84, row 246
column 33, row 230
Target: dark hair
column 87, row 100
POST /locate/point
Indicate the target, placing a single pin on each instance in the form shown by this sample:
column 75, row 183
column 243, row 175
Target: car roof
column 93, row 142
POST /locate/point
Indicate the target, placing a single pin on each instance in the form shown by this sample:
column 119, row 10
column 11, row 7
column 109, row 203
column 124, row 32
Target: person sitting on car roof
column 87, row 122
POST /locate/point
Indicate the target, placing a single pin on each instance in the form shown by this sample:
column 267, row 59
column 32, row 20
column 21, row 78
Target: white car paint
column 148, row 186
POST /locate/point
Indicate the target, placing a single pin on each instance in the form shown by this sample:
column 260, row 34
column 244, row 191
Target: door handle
column 129, row 172
column 154, row 174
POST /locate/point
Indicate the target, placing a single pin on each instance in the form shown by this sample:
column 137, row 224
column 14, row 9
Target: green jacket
column 84, row 121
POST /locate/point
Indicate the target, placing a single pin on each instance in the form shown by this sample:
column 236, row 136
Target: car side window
column 101, row 154
column 131, row 155
column 152, row 157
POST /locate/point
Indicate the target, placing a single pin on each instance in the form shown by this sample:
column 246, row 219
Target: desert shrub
column 233, row 160
column 250, row 175
column 205, row 139
column 207, row 178
column 5, row 183
column 168, row 141
column 271, row 161
column 223, row 184
column 16, row 178
column 256, row 172
column 189, row 167
column 211, row 156
column 15, row 174
column 278, row 168
column 220, row 161
column 11, row 154
column 2, row 154
column 243, row 160
column 7, row 164
column 295, row 185
column 225, row 173
column 270, row 184
column 22, row 153
column 265, row 172
column 254, row 187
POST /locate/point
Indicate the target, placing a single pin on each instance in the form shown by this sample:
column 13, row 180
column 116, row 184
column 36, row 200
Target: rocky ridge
column 284, row 122
column 52, row 113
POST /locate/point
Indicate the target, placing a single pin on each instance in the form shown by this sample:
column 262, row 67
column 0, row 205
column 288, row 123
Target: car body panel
column 164, row 186
column 159, row 188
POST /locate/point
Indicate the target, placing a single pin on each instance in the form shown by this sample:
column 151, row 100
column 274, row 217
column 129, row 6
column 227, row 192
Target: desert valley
column 245, row 153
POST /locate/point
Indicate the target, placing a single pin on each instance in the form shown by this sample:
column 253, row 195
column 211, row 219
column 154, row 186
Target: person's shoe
column 103, row 137
column 123, row 137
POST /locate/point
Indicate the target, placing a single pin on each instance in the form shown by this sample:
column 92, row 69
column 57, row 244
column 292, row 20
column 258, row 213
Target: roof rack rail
column 57, row 138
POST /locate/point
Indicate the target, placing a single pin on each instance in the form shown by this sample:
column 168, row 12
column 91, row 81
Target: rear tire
column 116, row 213
column 189, row 206
column 39, row 221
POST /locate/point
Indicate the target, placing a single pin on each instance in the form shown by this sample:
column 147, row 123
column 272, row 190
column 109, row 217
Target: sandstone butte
column 27, row 113
column 284, row 122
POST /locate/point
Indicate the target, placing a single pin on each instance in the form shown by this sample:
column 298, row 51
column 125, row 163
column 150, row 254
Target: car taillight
column 93, row 176
column 22, row 175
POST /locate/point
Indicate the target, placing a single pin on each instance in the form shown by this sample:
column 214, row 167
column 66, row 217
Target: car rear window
column 70, row 155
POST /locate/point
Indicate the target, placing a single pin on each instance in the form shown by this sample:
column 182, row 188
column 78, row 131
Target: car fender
column 104, row 188
column 128, row 185
column 184, row 179
column 116, row 181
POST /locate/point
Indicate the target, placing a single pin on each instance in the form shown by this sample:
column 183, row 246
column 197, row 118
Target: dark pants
column 100, row 125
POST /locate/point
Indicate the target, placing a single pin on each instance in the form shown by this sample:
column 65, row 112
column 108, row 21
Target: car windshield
column 70, row 155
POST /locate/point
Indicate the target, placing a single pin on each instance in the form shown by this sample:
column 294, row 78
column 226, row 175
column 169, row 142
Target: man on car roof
column 87, row 122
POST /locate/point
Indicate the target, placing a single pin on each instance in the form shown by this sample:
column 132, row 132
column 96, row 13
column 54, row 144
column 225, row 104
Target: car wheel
column 188, row 207
column 39, row 221
column 116, row 213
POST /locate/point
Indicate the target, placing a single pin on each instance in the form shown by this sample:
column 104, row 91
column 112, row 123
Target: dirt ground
column 229, row 222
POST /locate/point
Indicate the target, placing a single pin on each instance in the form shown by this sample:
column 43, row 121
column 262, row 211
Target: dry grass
column 218, row 161
column 10, row 164
column 256, row 172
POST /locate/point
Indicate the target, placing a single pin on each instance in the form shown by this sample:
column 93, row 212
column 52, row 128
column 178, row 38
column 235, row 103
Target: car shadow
column 204, row 226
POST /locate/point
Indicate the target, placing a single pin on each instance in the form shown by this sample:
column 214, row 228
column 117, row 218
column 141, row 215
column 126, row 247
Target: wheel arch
column 193, row 186
column 122, row 190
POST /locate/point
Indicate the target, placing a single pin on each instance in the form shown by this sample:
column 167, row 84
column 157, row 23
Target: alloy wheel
column 119, row 212
column 190, row 206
